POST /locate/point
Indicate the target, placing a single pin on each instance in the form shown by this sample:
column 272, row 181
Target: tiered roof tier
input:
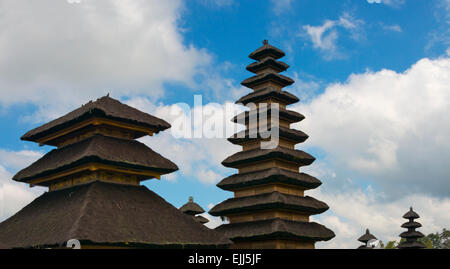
column 193, row 209
column 94, row 178
column 269, row 208
column 365, row 238
column 411, row 235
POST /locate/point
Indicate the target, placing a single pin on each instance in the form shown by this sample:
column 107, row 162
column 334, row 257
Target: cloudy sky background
column 373, row 76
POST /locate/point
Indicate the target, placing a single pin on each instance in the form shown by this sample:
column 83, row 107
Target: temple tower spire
column 193, row 209
column 411, row 235
column 269, row 208
column 365, row 238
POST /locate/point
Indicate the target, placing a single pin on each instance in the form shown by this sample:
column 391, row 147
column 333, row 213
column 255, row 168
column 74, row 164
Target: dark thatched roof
column 411, row 245
column 201, row 219
column 411, row 214
column 191, row 208
column 298, row 157
column 411, row 224
column 276, row 228
column 411, row 234
column 283, row 114
column 100, row 149
column 367, row 237
column 271, row 175
column 106, row 214
column 104, row 107
column 265, row 51
column 266, row 201
column 281, row 80
column 3, row 246
column 268, row 92
column 293, row 135
column 268, row 62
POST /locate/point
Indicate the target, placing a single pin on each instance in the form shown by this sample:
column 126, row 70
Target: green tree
column 391, row 245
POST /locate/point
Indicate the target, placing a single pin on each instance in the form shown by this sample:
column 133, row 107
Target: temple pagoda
column 193, row 209
column 94, row 193
column 365, row 238
column 411, row 235
column 269, row 208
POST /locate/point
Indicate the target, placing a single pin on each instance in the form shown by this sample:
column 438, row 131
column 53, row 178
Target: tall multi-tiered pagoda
column 269, row 208
column 411, row 235
column 93, row 178
column 365, row 238
column 193, row 209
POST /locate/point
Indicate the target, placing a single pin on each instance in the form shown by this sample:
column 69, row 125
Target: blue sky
column 372, row 76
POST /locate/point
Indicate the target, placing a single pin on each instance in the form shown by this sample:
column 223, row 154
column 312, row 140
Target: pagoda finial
column 191, row 199
column 265, row 42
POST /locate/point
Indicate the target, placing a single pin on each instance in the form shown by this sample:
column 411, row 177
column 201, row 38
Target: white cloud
column 388, row 127
column 14, row 195
column 393, row 3
column 217, row 3
column 324, row 37
column 208, row 176
column 280, row 6
column 57, row 55
column 393, row 27
column 18, row 159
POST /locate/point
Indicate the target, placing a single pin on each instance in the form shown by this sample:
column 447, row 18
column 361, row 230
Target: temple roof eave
column 266, row 93
column 98, row 149
column 268, row 176
column 269, row 201
column 298, row 157
column 104, row 107
column 276, row 228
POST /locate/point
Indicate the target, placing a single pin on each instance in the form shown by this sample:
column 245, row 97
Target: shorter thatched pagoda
column 94, row 177
column 365, row 238
column 411, row 235
column 193, row 209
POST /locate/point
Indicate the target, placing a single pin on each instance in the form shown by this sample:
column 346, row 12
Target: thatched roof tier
column 266, row 51
column 411, row 214
column 108, row 214
column 98, row 149
column 283, row 114
column 267, row 201
column 201, row 219
column 366, row 237
column 411, row 234
column 105, row 107
column 412, row 245
column 411, row 224
column 293, row 135
column 277, row 66
column 191, row 208
column 267, row 93
column 265, row 77
column 268, row 176
column 298, row 157
column 276, row 228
